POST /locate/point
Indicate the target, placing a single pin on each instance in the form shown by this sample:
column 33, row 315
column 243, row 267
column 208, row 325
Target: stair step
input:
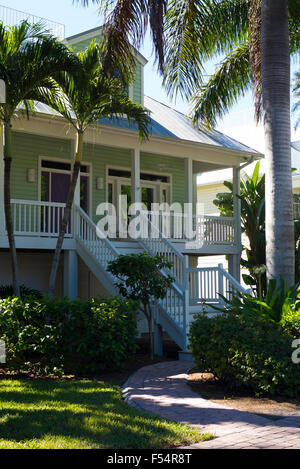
column 127, row 246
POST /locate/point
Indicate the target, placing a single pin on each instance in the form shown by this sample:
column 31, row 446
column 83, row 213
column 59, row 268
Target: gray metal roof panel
column 167, row 122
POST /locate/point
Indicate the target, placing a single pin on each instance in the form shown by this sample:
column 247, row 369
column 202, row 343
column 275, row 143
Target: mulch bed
column 210, row 388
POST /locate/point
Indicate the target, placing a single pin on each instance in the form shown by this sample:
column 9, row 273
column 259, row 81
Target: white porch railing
column 35, row 218
column 208, row 283
column 215, row 230
column 86, row 232
column 209, row 230
column 43, row 219
column 155, row 242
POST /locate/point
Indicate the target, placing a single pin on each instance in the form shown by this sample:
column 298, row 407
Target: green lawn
column 80, row 414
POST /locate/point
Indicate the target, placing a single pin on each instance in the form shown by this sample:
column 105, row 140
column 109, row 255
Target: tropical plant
column 139, row 277
column 272, row 307
column 28, row 57
column 252, row 196
column 83, row 97
column 257, row 37
column 253, row 226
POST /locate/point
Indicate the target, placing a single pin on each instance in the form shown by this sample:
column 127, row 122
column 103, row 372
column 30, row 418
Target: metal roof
column 178, row 125
column 167, row 122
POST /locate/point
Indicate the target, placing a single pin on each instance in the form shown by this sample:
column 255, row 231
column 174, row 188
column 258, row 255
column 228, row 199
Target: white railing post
column 220, row 280
column 186, row 301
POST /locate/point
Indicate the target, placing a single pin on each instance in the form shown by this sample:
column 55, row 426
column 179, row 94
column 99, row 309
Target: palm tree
column 28, row 56
column 275, row 73
column 188, row 33
column 84, row 97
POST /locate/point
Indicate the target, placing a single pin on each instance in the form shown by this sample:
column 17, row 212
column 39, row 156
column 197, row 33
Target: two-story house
column 162, row 170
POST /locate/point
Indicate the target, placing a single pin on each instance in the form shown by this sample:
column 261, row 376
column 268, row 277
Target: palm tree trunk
column 7, row 207
column 275, row 69
column 67, row 214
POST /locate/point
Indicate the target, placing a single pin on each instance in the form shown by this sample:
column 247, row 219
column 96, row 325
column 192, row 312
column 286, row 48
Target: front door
column 55, row 183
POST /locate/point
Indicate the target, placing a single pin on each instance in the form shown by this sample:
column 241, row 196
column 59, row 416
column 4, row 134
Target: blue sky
column 239, row 123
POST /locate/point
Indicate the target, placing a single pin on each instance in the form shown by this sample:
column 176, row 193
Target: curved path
column 162, row 389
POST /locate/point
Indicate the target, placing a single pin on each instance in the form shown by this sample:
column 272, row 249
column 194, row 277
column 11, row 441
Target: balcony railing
column 10, row 17
column 210, row 230
column 40, row 219
column 43, row 219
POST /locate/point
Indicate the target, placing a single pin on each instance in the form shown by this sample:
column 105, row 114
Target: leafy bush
column 290, row 321
column 7, row 291
column 140, row 277
column 53, row 334
column 245, row 352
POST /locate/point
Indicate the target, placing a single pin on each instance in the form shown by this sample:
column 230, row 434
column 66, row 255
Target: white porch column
column 135, row 176
column 70, row 275
column 188, row 180
column 234, row 260
column 188, row 198
column 2, row 216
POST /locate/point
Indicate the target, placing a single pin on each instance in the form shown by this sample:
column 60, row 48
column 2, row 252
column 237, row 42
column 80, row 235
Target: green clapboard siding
column 28, row 148
column 173, row 167
column 137, row 84
column 26, row 151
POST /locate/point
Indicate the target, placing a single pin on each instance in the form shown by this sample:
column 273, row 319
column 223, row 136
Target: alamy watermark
column 296, row 353
column 138, row 222
column 2, row 92
column 2, row 352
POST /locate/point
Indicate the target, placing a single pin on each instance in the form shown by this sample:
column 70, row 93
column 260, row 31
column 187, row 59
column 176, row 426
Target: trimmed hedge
column 74, row 336
column 246, row 352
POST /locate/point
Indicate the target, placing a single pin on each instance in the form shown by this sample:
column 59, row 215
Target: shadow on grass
column 79, row 414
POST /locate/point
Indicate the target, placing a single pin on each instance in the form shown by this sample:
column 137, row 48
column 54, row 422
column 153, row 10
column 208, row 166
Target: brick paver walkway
column 162, row 389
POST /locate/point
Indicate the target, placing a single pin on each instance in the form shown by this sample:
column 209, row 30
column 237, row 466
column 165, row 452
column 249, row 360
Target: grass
column 67, row 414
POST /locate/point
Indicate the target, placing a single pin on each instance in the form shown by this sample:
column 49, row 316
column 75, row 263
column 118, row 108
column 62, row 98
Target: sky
column 239, row 123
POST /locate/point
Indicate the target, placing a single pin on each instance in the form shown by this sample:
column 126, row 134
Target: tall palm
column 275, row 72
column 192, row 31
column 84, row 97
column 28, row 57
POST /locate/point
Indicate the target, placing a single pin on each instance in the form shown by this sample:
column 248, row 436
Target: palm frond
column 231, row 81
column 197, row 30
column 127, row 22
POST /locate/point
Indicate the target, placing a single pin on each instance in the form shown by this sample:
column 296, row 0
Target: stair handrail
column 104, row 239
column 178, row 269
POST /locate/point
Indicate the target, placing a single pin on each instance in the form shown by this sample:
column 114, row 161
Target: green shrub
column 245, row 352
column 52, row 334
column 7, row 291
column 290, row 321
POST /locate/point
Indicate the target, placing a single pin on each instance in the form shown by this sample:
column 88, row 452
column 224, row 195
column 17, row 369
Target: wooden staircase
column 187, row 295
